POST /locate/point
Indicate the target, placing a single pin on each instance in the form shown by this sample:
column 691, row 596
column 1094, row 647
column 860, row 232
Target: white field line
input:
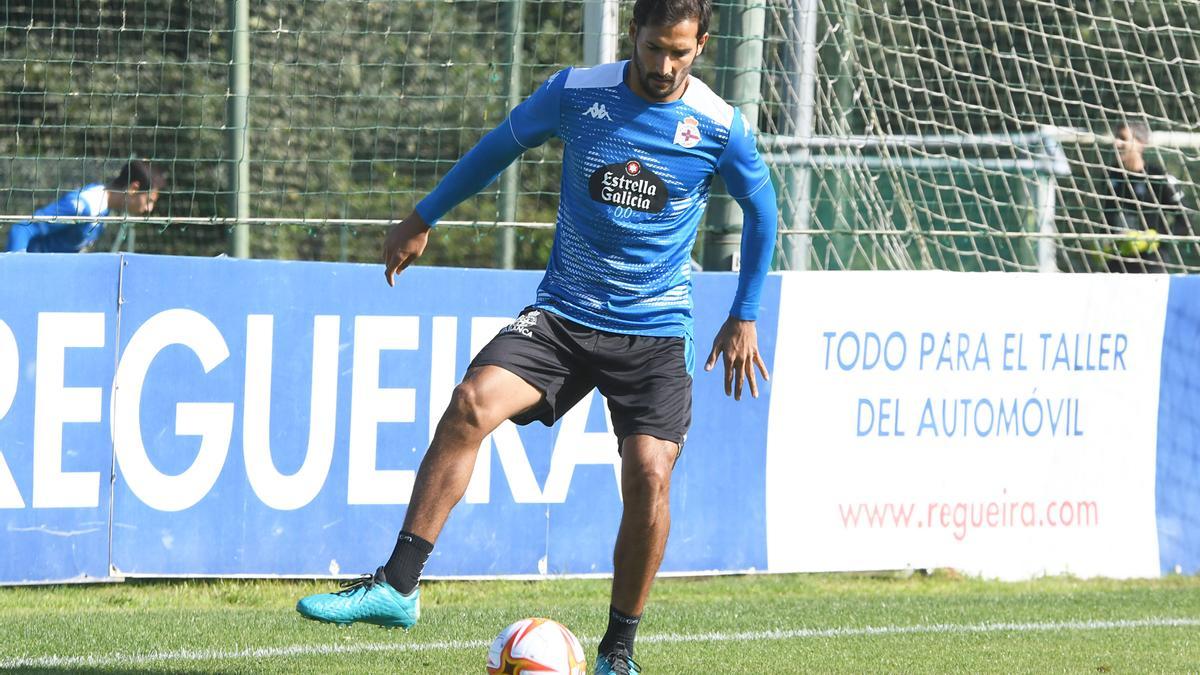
column 130, row 659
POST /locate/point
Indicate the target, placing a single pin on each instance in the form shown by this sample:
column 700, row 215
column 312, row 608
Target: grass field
column 744, row 624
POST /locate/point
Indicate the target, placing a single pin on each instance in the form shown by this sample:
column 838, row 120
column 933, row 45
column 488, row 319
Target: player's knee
column 649, row 472
column 468, row 406
column 648, row 484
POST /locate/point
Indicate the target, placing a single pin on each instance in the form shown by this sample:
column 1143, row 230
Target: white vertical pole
column 506, row 253
column 1046, row 206
column 600, row 31
column 237, row 122
column 743, row 26
column 804, row 23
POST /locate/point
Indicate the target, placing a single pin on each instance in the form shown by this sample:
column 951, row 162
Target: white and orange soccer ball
column 534, row 646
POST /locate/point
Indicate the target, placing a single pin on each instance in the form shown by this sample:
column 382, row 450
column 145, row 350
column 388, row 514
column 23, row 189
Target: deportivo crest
column 523, row 323
column 687, row 132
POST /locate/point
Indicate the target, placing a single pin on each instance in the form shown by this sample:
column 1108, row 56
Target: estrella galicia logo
column 629, row 185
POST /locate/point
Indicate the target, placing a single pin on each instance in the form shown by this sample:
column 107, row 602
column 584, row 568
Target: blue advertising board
column 164, row 416
column 268, row 418
column 1177, row 492
column 58, row 325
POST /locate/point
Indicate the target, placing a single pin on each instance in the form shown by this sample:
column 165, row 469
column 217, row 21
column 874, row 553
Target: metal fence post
column 600, row 31
column 237, row 126
column 741, row 57
column 510, row 186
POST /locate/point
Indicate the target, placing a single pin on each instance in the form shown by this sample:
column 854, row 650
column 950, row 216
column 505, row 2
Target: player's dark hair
column 147, row 176
column 671, row 12
column 1139, row 130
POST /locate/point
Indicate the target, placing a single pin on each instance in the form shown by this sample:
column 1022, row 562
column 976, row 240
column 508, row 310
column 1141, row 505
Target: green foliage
column 358, row 107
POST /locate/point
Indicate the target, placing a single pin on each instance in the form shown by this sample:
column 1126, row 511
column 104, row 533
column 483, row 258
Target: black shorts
column 645, row 379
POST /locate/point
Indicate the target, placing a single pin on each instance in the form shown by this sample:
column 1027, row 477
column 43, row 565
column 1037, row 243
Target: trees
column 356, row 109
column 358, row 106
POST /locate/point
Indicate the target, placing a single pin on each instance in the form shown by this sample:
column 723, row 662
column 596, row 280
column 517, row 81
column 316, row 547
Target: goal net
column 979, row 135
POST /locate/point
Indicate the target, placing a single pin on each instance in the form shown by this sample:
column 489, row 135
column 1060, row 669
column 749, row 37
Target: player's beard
column 652, row 85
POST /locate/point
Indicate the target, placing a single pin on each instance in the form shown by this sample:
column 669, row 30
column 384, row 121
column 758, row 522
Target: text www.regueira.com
column 960, row 518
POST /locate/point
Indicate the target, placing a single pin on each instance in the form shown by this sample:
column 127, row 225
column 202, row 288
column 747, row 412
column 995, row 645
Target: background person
column 134, row 191
column 1144, row 201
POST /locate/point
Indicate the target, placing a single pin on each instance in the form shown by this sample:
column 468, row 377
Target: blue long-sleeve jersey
column 63, row 236
column 635, row 183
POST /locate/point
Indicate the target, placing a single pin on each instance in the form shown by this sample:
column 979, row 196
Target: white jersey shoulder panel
column 605, row 75
column 706, row 101
column 96, row 198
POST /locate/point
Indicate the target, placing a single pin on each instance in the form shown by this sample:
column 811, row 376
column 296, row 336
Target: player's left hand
column 738, row 341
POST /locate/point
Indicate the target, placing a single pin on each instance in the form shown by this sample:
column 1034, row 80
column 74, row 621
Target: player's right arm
column 529, row 125
column 1110, row 202
column 22, row 234
column 1174, row 208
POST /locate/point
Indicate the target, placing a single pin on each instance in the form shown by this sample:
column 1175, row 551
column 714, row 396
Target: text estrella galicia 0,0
column 630, row 184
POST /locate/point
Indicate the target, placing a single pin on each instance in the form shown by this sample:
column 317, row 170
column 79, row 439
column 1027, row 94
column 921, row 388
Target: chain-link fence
column 935, row 134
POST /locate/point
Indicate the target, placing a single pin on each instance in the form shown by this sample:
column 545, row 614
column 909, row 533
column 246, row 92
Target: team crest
column 523, row 324
column 687, row 132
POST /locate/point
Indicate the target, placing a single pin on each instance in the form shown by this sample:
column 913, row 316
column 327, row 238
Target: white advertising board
column 1000, row 424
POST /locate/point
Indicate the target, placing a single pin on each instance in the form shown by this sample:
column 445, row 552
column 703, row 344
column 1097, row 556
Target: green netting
column 942, row 134
column 912, row 105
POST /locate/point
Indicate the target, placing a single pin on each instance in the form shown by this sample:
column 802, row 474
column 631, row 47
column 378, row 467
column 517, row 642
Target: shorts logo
column 628, row 185
column 687, row 132
column 523, row 324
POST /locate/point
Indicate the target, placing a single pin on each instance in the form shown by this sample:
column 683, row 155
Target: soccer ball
column 532, row 646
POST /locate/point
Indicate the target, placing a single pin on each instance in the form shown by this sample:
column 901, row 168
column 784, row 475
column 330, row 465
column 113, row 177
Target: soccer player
column 642, row 139
column 1144, row 201
column 134, row 190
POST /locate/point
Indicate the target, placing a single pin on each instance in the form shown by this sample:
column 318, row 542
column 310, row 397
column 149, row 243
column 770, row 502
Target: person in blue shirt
column 642, row 141
column 134, row 190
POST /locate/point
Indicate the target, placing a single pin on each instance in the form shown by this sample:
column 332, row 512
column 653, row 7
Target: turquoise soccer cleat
column 369, row 599
column 616, row 662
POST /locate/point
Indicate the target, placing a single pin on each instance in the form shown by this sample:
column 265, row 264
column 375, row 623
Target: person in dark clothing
column 1144, row 202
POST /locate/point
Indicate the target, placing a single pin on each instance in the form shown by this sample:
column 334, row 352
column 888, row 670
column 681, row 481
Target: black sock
column 403, row 569
column 621, row 630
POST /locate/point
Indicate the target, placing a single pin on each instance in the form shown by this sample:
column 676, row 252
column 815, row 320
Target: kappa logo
column 597, row 112
column 523, row 324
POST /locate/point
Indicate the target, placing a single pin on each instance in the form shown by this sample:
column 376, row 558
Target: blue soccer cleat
column 616, row 662
column 369, row 599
